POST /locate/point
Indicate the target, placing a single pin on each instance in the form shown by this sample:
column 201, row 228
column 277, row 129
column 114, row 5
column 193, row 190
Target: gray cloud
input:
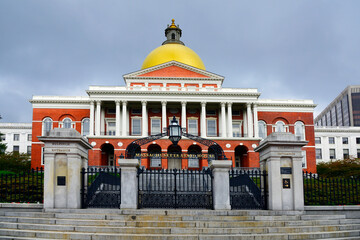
column 286, row 49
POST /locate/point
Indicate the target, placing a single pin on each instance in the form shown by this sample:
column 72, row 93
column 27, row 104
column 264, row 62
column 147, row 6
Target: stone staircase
column 175, row 224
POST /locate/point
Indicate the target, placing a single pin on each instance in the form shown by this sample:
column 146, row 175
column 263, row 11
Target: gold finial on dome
column 173, row 23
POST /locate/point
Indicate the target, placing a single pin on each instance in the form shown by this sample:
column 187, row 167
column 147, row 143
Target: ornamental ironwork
column 175, row 188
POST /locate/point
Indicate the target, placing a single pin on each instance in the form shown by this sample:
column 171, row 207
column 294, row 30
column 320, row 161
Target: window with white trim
column 332, row 153
column 331, row 140
column 346, row 153
column 67, row 123
column 318, row 140
column 136, row 126
column 211, row 127
column 236, row 128
column 262, row 129
column 300, row 131
column 16, row 148
column 155, row 126
column 47, row 125
column 280, row 126
column 303, row 153
column 193, row 126
column 28, row 150
column 111, row 128
column 16, row 137
column 318, row 153
column 29, row 137
column 85, row 126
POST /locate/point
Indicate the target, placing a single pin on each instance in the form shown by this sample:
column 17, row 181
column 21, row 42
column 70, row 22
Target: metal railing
column 331, row 191
column 25, row 187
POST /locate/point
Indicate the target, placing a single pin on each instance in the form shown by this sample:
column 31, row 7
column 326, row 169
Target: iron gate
column 175, row 188
column 248, row 189
column 101, row 187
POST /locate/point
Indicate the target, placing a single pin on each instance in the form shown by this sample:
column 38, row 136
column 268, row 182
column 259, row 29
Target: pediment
column 173, row 69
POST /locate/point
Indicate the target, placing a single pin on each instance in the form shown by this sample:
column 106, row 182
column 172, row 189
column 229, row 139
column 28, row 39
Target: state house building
column 173, row 81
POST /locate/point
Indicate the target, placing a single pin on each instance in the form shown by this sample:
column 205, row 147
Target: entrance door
column 174, row 163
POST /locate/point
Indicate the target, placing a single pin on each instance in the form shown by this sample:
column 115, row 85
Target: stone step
column 31, row 234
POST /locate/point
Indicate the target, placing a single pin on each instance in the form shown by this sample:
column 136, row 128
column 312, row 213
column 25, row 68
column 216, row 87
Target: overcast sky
column 286, row 49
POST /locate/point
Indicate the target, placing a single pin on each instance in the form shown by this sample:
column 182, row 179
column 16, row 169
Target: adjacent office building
column 17, row 137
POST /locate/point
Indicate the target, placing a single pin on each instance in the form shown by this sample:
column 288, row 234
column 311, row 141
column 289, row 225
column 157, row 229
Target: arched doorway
column 154, row 156
column 174, row 157
column 107, row 155
column 194, row 156
column 241, row 157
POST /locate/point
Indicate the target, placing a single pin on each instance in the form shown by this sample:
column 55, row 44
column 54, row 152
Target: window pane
column 193, row 128
column 345, row 140
column 155, row 126
column 331, row 140
column 28, row 149
column 280, row 127
column 318, row 153
column 236, row 129
column 357, row 140
column 16, row 137
column 211, row 127
column 332, row 153
column 358, row 153
column 29, row 137
column 86, row 127
column 136, row 126
column 318, row 140
column 15, row 148
column 346, row 153
column 47, row 126
column 262, row 129
column 67, row 123
column 299, row 131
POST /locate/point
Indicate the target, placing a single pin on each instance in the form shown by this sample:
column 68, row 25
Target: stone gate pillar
column 65, row 153
column 221, row 184
column 129, row 183
column 280, row 156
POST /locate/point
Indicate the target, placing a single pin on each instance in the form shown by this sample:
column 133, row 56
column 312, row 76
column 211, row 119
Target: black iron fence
column 25, row 187
column 172, row 188
column 101, row 187
column 248, row 189
column 331, row 191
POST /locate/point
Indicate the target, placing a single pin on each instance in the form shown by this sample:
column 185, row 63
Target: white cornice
column 338, row 129
column 15, row 125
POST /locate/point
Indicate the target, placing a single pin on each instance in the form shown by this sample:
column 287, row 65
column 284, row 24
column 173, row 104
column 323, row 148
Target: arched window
column 173, row 36
column 300, row 130
column 280, row 127
column 67, row 123
column 262, row 129
column 85, row 126
column 47, row 126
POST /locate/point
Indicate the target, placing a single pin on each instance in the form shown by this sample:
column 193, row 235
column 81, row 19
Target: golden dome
column 173, row 52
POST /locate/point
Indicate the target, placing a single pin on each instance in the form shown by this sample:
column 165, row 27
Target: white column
column 256, row 126
column 163, row 118
column 144, row 119
column 229, row 122
column 92, row 112
column 98, row 120
column 249, row 120
column 117, row 123
column 124, row 127
column 183, row 114
column 245, row 124
column 223, row 120
column 203, row 120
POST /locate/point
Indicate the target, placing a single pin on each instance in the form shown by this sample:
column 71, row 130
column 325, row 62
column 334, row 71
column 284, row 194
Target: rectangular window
column 318, row 153
column 16, row 137
column 136, row 111
column 193, row 126
column 16, row 149
column 136, row 126
column 155, row 126
column 346, row 153
column 236, row 112
column 111, row 128
column 345, row 140
column 304, row 162
column 211, row 128
column 357, row 140
column 331, row 140
column 318, row 140
column 2, row 136
column 236, row 127
column 111, row 111
column 358, row 153
column 332, row 153
column 29, row 137
column 211, row 112
column 28, row 150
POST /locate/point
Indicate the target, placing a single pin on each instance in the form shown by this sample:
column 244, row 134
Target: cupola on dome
column 173, row 50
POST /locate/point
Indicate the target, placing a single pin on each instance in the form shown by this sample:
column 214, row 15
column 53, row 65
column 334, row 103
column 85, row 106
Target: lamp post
column 174, row 131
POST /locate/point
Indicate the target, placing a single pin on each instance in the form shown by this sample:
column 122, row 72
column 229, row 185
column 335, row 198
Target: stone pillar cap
column 221, row 164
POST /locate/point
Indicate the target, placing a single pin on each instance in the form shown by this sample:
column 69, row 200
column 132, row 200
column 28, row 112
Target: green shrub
column 340, row 168
column 15, row 162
